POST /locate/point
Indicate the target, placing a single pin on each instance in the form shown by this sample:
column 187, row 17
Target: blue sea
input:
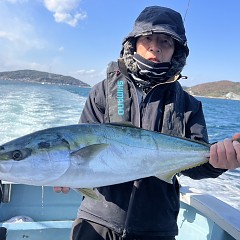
column 27, row 107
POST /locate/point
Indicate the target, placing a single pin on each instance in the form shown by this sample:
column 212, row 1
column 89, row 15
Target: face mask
column 151, row 69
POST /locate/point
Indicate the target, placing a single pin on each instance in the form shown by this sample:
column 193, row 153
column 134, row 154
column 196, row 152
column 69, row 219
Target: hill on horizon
column 41, row 77
column 219, row 89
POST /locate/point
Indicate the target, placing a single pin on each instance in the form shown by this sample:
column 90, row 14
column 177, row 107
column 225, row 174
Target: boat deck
column 202, row 217
column 53, row 213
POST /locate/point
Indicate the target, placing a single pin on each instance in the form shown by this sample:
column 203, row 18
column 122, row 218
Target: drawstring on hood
column 151, row 20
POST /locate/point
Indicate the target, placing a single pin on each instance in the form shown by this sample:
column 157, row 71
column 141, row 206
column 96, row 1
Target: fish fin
column 87, row 192
column 167, row 177
column 90, row 151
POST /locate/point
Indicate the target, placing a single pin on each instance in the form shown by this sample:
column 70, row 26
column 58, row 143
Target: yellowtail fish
column 93, row 155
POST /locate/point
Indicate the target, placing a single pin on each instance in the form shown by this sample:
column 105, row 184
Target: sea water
column 27, row 107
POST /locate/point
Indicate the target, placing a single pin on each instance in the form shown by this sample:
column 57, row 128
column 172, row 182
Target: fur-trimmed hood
column 157, row 19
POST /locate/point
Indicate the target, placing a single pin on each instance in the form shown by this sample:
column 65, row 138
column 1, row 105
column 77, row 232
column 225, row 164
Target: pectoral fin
column 90, row 151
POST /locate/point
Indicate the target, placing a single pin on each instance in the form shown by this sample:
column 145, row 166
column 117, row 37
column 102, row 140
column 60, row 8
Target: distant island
column 41, row 77
column 221, row 89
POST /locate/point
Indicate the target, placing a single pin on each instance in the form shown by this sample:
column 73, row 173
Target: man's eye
column 166, row 43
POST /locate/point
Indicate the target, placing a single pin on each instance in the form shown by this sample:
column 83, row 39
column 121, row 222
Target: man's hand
column 226, row 154
column 61, row 189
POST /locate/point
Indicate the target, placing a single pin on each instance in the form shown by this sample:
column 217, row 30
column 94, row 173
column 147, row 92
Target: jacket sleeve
column 94, row 109
column 196, row 129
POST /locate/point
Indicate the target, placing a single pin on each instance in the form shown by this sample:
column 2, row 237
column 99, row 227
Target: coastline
column 223, row 98
column 43, row 82
column 47, row 81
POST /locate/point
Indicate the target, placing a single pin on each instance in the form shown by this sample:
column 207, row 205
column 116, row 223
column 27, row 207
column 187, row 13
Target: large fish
column 93, row 155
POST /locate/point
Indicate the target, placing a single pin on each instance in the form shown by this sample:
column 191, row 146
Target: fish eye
column 17, row 155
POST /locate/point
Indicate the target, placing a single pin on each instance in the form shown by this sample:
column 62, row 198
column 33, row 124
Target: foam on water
column 225, row 187
column 25, row 109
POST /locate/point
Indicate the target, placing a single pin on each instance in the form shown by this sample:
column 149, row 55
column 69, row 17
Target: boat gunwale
column 224, row 215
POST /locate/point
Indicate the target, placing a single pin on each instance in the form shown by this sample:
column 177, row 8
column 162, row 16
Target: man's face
column 156, row 47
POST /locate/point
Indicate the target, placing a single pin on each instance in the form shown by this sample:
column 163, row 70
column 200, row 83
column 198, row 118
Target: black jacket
column 147, row 206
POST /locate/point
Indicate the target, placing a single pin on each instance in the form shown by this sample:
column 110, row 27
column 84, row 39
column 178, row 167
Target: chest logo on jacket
column 120, row 97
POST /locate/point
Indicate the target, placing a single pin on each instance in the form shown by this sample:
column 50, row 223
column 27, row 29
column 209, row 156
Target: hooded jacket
column 156, row 19
column 149, row 206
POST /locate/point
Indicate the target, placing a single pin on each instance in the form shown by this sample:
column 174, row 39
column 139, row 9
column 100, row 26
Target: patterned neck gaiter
column 148, row 73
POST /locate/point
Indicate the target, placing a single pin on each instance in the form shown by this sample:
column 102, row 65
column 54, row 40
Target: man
column 152, row 58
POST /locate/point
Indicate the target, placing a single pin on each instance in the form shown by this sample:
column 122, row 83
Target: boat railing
column 215, row 219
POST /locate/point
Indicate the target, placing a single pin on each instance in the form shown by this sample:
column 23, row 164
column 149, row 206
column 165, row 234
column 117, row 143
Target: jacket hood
column 156, row 19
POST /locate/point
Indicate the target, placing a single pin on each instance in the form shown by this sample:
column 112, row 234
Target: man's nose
column 154, row 47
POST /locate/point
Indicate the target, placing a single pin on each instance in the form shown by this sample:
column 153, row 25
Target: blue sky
column 79, row 38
